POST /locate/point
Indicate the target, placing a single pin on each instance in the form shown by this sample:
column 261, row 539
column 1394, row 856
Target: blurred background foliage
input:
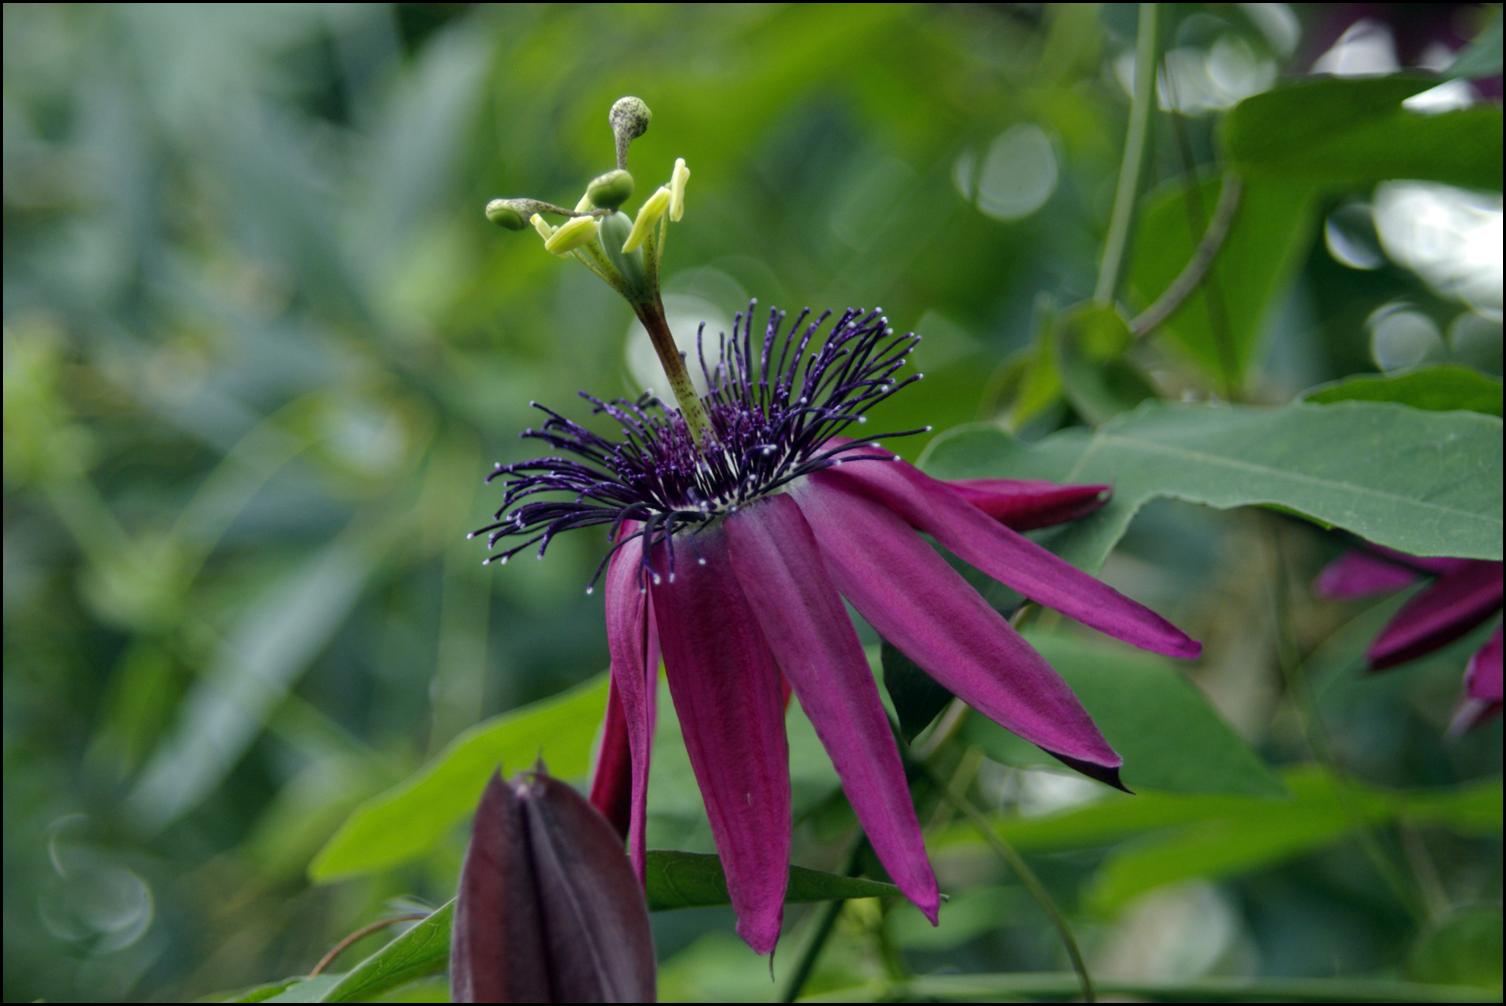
column 260, row 347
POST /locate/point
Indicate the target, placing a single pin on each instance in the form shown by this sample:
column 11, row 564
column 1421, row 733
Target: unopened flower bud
column 610, row 190
column 549, row 909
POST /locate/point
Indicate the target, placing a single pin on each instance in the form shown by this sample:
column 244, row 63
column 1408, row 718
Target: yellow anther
column 571, row 234
column 677, row 180
column 648, row 215
column 544, row 227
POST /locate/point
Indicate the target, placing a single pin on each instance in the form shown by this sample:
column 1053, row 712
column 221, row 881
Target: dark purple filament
column 774, row 405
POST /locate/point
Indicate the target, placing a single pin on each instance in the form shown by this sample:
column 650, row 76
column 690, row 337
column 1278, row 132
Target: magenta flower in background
column 1461, row 594
column 732, row 560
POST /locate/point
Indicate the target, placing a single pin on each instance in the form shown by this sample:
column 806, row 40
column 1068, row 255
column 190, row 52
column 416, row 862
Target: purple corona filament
column 774, row 404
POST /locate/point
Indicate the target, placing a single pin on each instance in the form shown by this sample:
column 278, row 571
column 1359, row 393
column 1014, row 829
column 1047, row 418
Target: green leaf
column 1323, row 811
column 413, row 817
column 1428, row 483
column 1437, row 389
column 1171, row 739
column 421, row 951
column 918, row 698
column 673, row 880
column 1051, row 986
column 1090, row 342
column 301, row 989
column 695, row 880
column 272, row 642
column 1345, row 131
column 1221, row 325
column 1482, row 57
column 1463, row 948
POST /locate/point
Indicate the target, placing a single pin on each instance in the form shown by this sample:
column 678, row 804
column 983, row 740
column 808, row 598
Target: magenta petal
column 1362, row 574
column 726, row 690
column 1026, row 505
column 612, row 777
column 1007, row 556
column 1482, row 686
column 926, row 609
column 632, row 642
column 779, row 566
column 1441, row 613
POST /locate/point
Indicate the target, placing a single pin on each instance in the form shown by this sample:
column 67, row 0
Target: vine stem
column 1032, row 883
column 362, row 933
column 1316, row 736
column 825, row 924
column 1136, row 152
column 1196, row 269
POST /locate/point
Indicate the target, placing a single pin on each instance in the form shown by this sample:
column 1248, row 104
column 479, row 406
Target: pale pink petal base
column 1482, row 686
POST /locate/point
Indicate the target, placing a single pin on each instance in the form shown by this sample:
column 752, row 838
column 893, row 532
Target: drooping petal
column 1362, row 574
column 633, row 645
column 779, row 566
column 595, row 922
column 926, row 609
column 496, row 941
column 612, row 777
column 1007, row 556
column 726, row 689
column 1441, row 613
column 1026, row 505
column 1482, row 686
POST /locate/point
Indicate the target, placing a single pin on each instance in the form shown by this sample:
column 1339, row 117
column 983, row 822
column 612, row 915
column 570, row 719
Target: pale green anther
column 545, row 228
column 677, row 180
column 649, row 213
column 610, row 190
column 571, row 234
column 504, row 214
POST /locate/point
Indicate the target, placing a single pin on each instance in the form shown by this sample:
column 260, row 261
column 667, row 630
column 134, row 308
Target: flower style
column 1462, row 594
column 740, row 521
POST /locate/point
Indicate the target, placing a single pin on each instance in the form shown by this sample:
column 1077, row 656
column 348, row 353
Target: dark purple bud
column 548, row 908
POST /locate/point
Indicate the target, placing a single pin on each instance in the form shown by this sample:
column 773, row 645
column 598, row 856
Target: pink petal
column 1007, row 556
column 926, row 609
column 1362, row 574
column 635, row 668
column 1026, row 505
column 1483, row 678
column 1441, row 613
column 779, row 566
column 726, row 689
column 1482, row 687
column 612, row 778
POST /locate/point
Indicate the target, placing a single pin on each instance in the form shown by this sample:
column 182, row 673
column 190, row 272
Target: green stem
column 1316, row 737
column 1028, row 878
column 825, row 924
column 1136, row 151
column 1049, row 985
column 652, row 315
